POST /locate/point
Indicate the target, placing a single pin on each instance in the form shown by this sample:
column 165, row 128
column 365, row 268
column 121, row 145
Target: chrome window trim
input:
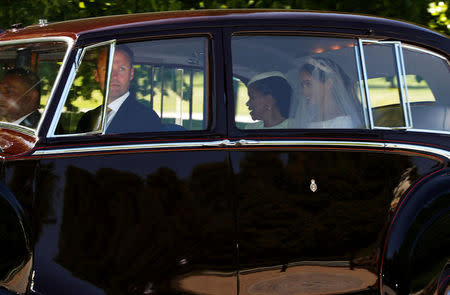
column 359, row 63
column 70, row 42
column 112, row 48
column 422, row 50
column 51, row 129
column 442, row 132
column 408, row 105
column 23, row 129
column 402, row 84
column 73, row 71
column 327, row 143
column 365, row 79
column 245, row 143
column 145, row 146
column 401, row 76
column 411, row 147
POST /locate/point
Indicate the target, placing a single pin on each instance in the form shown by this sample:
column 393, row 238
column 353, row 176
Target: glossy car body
column 207, row 206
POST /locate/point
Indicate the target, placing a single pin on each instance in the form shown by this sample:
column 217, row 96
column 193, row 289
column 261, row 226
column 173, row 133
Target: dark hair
column 28, row 77
column 125, row 49
column 309, row 68
column 280, row 90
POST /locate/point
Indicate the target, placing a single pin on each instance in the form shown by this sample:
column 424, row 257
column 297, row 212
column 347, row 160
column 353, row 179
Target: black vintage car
column 248, row 152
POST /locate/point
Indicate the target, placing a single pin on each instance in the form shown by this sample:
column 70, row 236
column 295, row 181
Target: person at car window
column 124, row 112
column 20, row 97
column 328, row 99
column 269, row 100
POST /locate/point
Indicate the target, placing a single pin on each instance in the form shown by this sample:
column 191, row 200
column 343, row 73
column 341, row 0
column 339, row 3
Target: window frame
column 69, row 42
column 213, row 61
column 399, row 64
column 401, row 77
column 435, row 54
column 68, row 86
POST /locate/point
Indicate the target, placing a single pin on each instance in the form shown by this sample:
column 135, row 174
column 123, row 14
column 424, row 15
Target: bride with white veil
column 328, row 99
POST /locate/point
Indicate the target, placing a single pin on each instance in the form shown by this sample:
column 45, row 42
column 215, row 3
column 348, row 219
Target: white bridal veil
column 326, row 97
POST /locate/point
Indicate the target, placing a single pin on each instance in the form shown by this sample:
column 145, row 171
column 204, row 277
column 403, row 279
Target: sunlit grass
column 382, row 93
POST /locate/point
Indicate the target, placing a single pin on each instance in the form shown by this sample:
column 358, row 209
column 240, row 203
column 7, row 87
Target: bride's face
column 309, row 85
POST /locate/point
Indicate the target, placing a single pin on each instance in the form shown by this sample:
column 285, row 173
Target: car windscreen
column 28, row 72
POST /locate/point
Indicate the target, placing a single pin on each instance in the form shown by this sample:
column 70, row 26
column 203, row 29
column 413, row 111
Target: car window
column 296, row 82
column 85, row 93
column 157, row 85
column 428, row 89
column 385, row 93
column 28, row 72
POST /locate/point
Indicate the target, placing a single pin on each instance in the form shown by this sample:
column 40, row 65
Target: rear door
column 315, row 190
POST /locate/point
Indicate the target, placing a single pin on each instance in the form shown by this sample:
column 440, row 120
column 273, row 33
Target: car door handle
column 229, row 143
column 244, row 142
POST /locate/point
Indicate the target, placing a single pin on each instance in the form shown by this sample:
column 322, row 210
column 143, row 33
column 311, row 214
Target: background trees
column 424, row 12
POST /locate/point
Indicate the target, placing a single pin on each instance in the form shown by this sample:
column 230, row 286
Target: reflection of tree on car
column 161, row 228
column 308, row 225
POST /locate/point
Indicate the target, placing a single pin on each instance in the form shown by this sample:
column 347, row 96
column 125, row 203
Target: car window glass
column 296, row 82
column 170, row 78
column 384, row 89
column 157, row 85
column 85, row 94
column 28, row 72
column 428, row 89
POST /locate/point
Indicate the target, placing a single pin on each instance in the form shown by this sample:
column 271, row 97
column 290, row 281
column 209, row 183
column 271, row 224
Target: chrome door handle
column 229, row 143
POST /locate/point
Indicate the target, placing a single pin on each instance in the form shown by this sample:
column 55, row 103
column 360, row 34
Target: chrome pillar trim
column 70, row 43
column 65, row 93
column 365, row 79
column 401, row 76
column 362, row 82
column 112, row 48
column 418, row 148
column 73, row 71
column 408, row 106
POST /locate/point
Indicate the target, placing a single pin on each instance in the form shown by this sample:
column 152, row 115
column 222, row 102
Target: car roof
column 348, row 23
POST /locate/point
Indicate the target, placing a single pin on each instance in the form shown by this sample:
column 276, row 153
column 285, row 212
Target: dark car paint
column 16, row 231
column 147, row 219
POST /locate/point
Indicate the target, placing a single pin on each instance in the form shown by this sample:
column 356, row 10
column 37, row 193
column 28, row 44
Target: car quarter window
column 152, row 86
column 407, row 86
column 428, row 80
column 85, row 93
column 296, row 82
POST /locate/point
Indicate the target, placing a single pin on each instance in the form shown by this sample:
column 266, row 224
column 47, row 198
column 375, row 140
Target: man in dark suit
column 124, row 113
column 20, row 97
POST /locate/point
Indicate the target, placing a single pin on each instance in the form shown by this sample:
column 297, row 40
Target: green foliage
column 440, row 21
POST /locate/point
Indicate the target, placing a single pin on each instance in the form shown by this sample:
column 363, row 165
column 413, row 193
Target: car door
column 314, row 196
column 135, row 212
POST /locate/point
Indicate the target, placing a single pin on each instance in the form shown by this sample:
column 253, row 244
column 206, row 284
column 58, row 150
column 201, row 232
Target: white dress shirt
column 114, row 107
